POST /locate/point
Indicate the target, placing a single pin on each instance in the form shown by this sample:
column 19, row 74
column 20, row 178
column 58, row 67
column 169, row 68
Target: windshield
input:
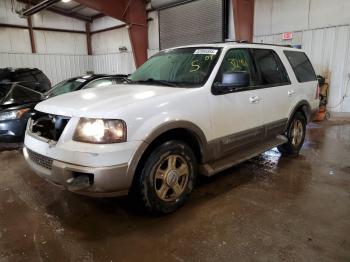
column 66, row 86
column 178, row 67
column 11, row 94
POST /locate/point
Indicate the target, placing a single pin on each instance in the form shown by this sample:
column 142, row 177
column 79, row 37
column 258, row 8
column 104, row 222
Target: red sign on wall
column 287, row 36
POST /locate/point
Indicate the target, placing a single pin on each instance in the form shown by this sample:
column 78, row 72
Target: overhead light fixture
column 65, row 1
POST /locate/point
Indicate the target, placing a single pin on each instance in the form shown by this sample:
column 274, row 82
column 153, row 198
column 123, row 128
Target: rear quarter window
column 301, row 65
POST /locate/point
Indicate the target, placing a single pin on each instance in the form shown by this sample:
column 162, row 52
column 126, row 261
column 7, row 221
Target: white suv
column 187, row 111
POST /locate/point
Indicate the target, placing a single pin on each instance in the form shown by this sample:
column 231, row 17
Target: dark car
column 17, row 101
column 84, row 82
column 32, row 78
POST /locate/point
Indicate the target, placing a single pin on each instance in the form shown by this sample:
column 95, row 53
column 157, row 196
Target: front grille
column 40, row 160
column 48, row 126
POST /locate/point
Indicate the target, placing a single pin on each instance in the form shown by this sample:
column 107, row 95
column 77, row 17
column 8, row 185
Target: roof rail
column 252, row 43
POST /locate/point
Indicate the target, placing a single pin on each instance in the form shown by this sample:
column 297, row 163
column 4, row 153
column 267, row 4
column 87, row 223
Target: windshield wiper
column 162, row 82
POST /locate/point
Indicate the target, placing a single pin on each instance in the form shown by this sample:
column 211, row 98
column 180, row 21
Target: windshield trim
column 183, row 84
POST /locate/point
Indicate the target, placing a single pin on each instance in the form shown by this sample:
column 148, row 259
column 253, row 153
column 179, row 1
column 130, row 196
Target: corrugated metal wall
column 56, row 67
column 14, row 40
column 109, row 42
column 60, row 67
column 118, row 63
column 63, row 55
column 328, row 49
column 323, row 31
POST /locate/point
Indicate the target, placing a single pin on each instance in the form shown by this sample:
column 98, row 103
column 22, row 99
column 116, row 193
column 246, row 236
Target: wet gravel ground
column 270, row 208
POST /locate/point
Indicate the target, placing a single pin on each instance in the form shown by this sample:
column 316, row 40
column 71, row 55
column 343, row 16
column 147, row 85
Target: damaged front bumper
column 97, row 182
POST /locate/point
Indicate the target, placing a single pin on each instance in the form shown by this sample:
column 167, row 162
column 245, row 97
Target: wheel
column 296, row 135
column 167, row 177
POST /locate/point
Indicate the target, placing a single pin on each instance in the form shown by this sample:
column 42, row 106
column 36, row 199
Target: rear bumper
column 100, row 182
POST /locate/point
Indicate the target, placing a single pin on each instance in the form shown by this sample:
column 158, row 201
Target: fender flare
column 305, row 107
column 162, row 129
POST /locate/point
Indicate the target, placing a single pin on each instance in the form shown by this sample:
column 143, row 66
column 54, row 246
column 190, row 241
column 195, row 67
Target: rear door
column 237, row 115
column 305, row 75
column 275, row 88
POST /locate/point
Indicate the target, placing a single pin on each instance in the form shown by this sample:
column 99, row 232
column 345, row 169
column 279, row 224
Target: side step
column 212, row 168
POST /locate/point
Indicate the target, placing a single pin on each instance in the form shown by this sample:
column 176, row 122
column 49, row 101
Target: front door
column 237, row 115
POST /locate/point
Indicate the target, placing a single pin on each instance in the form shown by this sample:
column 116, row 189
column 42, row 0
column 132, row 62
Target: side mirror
column 232, row 81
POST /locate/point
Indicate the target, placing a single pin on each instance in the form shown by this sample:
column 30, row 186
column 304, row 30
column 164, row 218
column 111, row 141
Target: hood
column 104, row 101
column 14, row 94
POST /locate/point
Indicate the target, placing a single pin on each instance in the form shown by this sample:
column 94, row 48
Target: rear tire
column 296, row 135
column 167, row 178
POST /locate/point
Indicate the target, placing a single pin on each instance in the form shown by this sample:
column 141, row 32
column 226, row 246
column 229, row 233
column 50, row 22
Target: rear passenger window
column 271, row 69
column 301, row 65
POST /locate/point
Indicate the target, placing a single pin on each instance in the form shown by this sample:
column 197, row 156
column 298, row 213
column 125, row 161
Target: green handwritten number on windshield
column 195, row 67
column 209, row 57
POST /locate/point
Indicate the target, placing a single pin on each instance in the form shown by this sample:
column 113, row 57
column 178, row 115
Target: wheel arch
column 175, row 130
column 303, row 107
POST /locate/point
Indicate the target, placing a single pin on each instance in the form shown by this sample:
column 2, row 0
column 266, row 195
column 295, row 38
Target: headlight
column 15, row 114
column 100, row 131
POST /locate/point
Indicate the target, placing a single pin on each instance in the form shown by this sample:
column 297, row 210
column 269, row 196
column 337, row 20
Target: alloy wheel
column 171, row 178
column 297, row 132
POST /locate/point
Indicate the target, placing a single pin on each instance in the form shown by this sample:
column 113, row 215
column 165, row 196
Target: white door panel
column 239, row 110
column 235, row 112
column 277, row 101
column 277, row 92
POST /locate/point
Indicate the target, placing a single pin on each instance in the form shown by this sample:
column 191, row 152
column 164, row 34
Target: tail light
column 317, row 96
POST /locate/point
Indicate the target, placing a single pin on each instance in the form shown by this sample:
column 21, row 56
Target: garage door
column 200, row 21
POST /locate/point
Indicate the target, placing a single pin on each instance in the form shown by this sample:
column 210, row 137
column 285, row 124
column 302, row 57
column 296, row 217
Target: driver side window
column 237, row 60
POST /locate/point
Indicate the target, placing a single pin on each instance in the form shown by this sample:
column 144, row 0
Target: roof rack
column 252, row 43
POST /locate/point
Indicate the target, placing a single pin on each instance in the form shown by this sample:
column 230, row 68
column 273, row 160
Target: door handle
column 291, row 92
column 254, row 99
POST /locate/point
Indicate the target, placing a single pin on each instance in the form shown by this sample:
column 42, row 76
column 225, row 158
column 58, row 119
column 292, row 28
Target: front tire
column 296, row 135
column 167, row 177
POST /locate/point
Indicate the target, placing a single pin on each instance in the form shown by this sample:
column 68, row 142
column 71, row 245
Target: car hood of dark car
column 12, row 94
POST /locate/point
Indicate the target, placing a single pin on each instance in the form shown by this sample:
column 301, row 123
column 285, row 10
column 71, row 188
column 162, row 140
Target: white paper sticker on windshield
column 81, row 80
column 205, row 52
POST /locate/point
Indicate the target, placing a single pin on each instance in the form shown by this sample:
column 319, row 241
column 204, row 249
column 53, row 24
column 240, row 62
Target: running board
column 212, row 168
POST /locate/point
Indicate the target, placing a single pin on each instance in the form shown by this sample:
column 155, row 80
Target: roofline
column 228, row 42
column 254, row 43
